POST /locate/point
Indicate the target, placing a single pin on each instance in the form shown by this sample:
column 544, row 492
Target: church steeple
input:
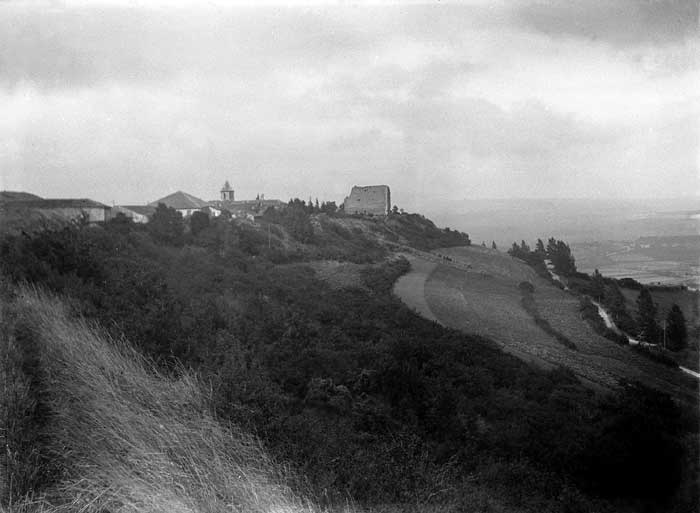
column 227, row 192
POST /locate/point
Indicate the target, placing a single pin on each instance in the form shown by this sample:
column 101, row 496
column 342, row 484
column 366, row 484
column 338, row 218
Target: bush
column 526, row 287
column 590, row 313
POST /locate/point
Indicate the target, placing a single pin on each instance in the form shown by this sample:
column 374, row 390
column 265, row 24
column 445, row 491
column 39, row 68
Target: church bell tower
column 226, row 192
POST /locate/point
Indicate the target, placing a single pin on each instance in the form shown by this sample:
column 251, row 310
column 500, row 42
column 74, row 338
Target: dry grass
column 128, row 439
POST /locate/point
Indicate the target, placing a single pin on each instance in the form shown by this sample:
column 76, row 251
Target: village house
column 186, row 204
column 244, row 209
column 137, row 213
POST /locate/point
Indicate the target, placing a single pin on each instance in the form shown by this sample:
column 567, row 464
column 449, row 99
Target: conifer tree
column 539, row 248
column 646, row 317
column 676, row 331
column 597, row 285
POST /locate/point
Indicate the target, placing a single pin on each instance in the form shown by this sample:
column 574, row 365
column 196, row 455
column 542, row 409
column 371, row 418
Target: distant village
column 373, row 200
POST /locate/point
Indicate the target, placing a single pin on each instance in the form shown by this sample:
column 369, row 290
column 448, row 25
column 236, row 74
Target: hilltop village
column 372, row 200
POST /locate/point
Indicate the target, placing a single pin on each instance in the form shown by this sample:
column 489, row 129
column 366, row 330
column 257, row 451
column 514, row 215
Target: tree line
column 673, row 335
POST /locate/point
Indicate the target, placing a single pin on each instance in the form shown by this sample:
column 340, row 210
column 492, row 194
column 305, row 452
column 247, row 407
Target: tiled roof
column 180, row 200
column 229, row 204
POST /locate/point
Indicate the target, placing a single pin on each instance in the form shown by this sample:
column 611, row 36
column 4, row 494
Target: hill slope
column 477, row 291
column 9, row 196
column 337, row 377
column 103, row 430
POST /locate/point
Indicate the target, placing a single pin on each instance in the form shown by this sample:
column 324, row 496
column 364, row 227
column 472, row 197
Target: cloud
column 438, row 101
column 617, row 22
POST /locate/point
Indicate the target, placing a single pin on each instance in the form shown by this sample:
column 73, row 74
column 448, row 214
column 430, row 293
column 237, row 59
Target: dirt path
column 411, row 286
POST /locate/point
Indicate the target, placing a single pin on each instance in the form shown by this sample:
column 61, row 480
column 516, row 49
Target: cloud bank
column 442, row 102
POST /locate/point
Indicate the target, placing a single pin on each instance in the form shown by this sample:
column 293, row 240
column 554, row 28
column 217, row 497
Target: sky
column 128, row 101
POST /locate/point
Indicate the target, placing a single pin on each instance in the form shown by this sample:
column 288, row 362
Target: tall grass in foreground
column 121, row 436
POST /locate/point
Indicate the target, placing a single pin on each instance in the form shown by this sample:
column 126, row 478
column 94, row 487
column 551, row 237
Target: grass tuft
column 121, row 436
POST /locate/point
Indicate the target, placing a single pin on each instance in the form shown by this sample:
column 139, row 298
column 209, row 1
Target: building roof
column 247, row 205
column 180, row 201
column 58, row 203
column 227, row 187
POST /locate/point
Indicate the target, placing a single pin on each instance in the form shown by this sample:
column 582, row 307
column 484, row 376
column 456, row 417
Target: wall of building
column 369, row 200
column 134, row 216
column 95, row 215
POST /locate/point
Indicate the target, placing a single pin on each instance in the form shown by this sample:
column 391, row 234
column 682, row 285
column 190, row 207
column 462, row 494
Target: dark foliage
column 649, row 330
column 534, row 259
column 590, row 313
column 350, row 386
column 166, row 225
column 199, row 221
column 560, row 255
column 655, row 353
column 676, row 331
column 421, row 233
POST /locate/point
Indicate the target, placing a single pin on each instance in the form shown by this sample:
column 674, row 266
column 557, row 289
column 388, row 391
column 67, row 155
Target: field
column 660, row 260
column 482, row 296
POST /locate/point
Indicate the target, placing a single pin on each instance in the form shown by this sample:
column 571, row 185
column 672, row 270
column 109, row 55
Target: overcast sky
column 129, row 101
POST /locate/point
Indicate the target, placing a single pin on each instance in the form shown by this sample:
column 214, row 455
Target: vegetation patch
column 530, row 306
column 590, row 313
column 360, row 395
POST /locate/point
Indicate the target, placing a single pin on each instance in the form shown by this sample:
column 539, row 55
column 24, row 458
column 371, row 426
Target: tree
column 166, row 225
column 676, row 331
column 539, row 248
column 198, row 222
column 120, row 223
column 329, row 207
column 560, row 254
column 493, row 244
column 646, row 315
column 514, row 250
column 524, row 247
column 597, row 285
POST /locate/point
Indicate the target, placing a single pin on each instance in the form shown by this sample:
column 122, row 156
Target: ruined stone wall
column 369, row 200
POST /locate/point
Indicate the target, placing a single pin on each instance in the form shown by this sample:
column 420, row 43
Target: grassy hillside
column 96, row 427
column 361, row 396
column 478, row 291
column 9, row 196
